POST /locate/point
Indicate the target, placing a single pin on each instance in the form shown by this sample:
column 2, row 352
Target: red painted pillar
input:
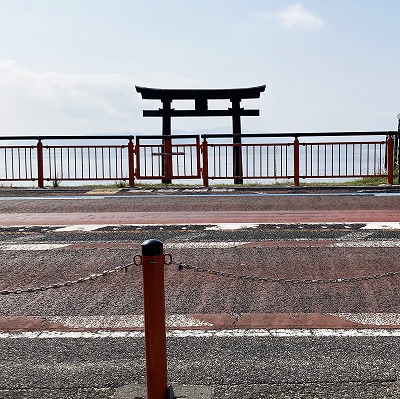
column 153, row 261
column 131, row 163
column 167, row 159
column 205, row 163
column 389, row 160
column 296, row 161
column 40, row 164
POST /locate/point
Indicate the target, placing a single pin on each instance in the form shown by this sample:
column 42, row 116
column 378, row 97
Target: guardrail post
column 397, row 150
column 167, row 160
column 153, row 261
column 198, row 157
column 389, row 159
column 204, row 147
column 131, row 163
column 39, row 149
column 296, row 161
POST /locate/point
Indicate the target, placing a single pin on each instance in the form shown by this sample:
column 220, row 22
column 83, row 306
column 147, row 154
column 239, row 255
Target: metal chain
column 68, row 283
column 182, row 266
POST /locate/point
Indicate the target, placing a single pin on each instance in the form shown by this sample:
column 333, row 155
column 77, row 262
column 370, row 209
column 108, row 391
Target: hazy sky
column 70, row 66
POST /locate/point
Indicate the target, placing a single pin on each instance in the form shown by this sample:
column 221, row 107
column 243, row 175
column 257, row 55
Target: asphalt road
column 104, row 352
column 247, row 367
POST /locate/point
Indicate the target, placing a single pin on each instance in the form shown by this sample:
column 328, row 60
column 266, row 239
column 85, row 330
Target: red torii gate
column 201, row 97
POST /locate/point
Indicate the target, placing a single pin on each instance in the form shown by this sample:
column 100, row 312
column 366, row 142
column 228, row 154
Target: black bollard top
column 152, row 248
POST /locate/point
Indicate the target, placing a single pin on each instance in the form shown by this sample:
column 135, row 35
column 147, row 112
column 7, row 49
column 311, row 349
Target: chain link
column 68, row 283
column 182, row 266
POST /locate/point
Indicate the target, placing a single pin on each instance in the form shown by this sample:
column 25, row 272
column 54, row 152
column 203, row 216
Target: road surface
column 300, row 298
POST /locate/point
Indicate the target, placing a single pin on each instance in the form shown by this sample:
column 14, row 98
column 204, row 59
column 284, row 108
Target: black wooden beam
column 200, row 113
column 191, row 94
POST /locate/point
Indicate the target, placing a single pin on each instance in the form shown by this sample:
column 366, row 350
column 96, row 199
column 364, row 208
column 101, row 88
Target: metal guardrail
column 172, row 157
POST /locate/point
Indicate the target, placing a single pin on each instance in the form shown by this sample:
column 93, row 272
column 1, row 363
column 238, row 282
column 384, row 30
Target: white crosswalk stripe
column 280, row 333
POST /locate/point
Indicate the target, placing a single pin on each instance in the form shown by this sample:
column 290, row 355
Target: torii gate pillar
column 237, row 139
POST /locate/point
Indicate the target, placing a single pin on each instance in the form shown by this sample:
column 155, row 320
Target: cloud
column 32, row 100
column 296, row 16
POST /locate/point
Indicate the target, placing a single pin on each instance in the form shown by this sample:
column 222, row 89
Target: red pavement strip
column 221, row 321
column 212, row 321
column 208, row 217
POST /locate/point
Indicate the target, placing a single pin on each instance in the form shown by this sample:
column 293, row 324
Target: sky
column 69, row 67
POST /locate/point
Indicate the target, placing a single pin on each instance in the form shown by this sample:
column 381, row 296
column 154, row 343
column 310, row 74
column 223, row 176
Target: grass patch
column 366, row 181
column 121, row 184
column 56, row 183
column 375, row 181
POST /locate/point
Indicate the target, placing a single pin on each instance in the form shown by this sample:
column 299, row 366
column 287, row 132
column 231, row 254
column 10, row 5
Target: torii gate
column 201, row 97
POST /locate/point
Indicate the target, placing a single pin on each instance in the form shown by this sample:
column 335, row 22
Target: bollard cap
column 152, row 248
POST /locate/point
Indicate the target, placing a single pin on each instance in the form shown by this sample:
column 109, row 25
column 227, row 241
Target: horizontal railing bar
column 20, row 179
column 66, row 178
column 329, row 143
column 304, row 134
column 169, row 136
column 205, row 135
column 83, row 146
column 40, row 138
column 18, row 146
column 167, row 153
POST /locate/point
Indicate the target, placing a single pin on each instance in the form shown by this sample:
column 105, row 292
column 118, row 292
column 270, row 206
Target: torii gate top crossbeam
column 191, row 94
column 201, row 97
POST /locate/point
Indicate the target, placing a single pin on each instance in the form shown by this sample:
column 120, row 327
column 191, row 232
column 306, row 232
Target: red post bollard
column 40, row 164
column 205, row 162
column 389, row 159
column 153, row 261
column 131, row 163
column 296, row 162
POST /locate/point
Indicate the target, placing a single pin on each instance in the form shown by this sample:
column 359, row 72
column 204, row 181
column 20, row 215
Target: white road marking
column 283, row 333
column 234, row 333
column 234, row 244
column 368, row 244
column 124, row 321
column 355, row 235
column 31, row 247
column 232, row 226
column 352, row 240
column 382, row 226
column 377, row 319
column 212, row 244
column 82, row 227
column 223, row 226
column 60, row 197
column 207, row 244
